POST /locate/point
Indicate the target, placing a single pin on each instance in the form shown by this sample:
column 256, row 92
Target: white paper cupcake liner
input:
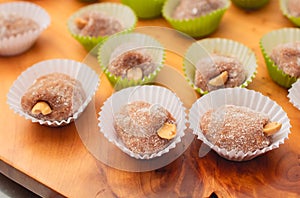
column 294, row 94
column 88, row 78
column 123, row 13
column 20, row 43
column 240, row 97
column 121, row 43
column 268, row 42
column 204, row 48
column 152, row 95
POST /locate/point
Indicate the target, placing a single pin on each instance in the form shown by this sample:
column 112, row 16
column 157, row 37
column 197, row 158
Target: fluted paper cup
column 240, row 97
column 79, row 71
column 145, row 9
column 123, row 13
column 293, row 17
column 268, row 42
column 197, row 27
column 150, row 94
column 250, row 4
column 118, row 44
column 294, row 94
column 15, row 45
column 226, row 47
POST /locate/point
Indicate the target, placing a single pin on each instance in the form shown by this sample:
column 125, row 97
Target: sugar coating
column 98, row 24
column 63, row 94
column 212, row 66
column 287, row 57
column 189, row 9
column 293, row 7
column 12, row 25
column 137, row 123
column 134, row 58
column 235, row 128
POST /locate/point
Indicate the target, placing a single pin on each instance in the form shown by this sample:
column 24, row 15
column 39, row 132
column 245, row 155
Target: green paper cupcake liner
column 206, row 47
column 145, row 9
column 271, row 40
column 284, row 9
column 121, row 12
column 197, row 27
column 140, row 41
column 250, row 4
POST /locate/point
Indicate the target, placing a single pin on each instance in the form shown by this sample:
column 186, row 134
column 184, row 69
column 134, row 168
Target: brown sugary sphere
column 96, row 24
column 212, row 66
column 287, row 57
column 120, row 65
column 189, row 9
column 63, row 94
column 294, row 7
column 13, row 25
column 137, row 124
column 235, row 128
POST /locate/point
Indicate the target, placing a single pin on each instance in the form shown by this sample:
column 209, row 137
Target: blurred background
column 11, row 189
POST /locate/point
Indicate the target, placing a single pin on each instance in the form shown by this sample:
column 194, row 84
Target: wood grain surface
column 59, row 160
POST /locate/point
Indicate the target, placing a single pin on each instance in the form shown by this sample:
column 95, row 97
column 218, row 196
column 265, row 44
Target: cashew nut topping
column 134, row 73
column 41, row 107
column 271, row 128
column 80, row 23
column 167, row 131
column 219, row 80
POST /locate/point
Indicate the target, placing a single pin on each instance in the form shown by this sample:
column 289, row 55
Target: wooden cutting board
column 65, row 161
